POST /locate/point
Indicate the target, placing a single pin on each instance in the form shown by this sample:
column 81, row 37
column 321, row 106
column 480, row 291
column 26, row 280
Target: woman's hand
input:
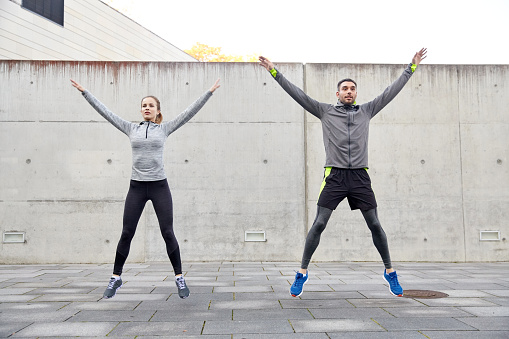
column 215, row 86
column 78, row 86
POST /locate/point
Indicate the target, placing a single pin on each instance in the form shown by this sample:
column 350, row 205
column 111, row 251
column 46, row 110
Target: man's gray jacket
column 345, row 127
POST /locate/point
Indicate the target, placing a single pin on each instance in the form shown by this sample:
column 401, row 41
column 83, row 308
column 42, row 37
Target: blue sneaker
column 300, row 280
column 394, row 286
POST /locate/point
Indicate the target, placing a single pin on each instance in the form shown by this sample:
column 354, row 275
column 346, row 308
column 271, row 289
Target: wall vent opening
column 14, row 237
column 489, row 236
column 254, row 236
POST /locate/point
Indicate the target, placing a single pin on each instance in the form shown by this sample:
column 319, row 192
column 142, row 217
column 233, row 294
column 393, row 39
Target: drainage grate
column 424, row 294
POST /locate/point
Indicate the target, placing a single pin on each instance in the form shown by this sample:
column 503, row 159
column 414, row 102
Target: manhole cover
column 424, row 294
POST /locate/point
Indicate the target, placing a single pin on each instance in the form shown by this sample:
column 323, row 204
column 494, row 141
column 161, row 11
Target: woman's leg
column 133, row 207
column 161, row 199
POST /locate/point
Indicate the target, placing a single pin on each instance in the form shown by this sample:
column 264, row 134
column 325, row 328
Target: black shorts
column 353, row 184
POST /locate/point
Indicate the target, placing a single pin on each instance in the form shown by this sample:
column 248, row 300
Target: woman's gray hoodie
column 147, row 138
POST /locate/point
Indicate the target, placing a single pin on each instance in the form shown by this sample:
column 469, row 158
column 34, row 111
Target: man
column 345, row 134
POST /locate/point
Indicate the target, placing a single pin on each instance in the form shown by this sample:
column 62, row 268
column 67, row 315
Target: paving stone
column 301, row 303
column 487, row 323
column 498, row 311
column 204, row 296
column 252, row 327
column 219, row 336
column 8, row 329
column 177, row 328
column 377, row 335
column 498, row 301
column 66, row 329
column 465, row 334
column 33, row 306
column 427, row 312
column 61, row 290
column 237, row 289
column 174, row 315
column 66, row 297
column 271, row 314
column 22, row 298
column 111, row 316
column 180, row 305
column 41, row 315
column 499, row 293
column 335, row 325
column 349, row 312
column 15, row 290
column 103, row 305
column 420, row 324
column 120, row 296
column 456, row 302
column 245, row 304
column 388, row 302
column 280, row 336
column 257, row 296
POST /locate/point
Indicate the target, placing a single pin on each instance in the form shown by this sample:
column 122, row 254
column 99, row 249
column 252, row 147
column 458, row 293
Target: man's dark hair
column 347, row 79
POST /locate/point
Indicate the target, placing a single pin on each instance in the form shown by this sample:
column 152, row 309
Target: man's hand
column 215, row 86
column 419, row 56
column 78, row 86
column 266, row 63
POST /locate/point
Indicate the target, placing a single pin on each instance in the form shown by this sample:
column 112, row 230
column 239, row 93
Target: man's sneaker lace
column 182, row 287
column 394, row 286
column 113, row 286
column 298, row 284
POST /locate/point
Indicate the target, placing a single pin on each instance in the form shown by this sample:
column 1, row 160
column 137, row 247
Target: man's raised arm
column 308, row 103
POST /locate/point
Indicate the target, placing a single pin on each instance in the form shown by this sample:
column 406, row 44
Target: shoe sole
column 105, row 297
column 298, row 295
column 397, row 295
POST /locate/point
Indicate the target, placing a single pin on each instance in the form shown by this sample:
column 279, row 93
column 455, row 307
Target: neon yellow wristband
column 413, row 67
column 273, row 72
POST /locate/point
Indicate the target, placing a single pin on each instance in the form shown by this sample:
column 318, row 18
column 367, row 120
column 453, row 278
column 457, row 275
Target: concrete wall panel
column 251, row 160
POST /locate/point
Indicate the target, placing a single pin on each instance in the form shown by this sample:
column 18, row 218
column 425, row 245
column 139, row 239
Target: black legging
column 322, row 217
column 139, row 193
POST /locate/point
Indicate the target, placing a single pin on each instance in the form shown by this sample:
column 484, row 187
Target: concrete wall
column 251, row 160
column 92, row 31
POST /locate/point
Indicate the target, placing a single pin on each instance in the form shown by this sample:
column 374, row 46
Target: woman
column 148, row 179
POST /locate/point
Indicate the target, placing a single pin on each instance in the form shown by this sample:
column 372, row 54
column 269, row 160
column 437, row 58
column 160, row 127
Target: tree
column 206, row 53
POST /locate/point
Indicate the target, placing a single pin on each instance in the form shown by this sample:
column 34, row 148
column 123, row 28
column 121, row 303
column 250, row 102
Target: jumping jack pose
column 345, row 134
column 148, row 179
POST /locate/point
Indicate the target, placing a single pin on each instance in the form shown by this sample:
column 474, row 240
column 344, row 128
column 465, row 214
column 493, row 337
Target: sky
column 333, row 31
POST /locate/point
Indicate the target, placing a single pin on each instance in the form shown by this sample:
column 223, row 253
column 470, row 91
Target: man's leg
column 380, row 241
column 312, row 240
column 379, row 237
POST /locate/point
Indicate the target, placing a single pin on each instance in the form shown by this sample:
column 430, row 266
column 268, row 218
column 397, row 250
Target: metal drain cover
column 424, row 294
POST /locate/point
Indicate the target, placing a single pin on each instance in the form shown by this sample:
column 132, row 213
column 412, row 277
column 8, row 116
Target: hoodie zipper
column 146, row 131
column 349, row 143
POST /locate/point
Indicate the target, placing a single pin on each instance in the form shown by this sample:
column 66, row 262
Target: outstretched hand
column 266, row 63
column 215, row 86
column 419, row 56
column 78, row 86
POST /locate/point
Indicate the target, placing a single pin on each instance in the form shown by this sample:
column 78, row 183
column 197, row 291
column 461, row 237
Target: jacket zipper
column 349, row 143
column 146, row 131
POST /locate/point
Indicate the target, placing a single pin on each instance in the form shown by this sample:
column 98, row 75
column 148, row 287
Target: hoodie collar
column 340, row 104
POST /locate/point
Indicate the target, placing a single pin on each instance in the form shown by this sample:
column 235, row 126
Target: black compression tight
column 139, row 193
column 322, row 217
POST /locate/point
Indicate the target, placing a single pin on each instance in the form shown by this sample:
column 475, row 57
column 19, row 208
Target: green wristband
column 413, row 67
column 273, row 72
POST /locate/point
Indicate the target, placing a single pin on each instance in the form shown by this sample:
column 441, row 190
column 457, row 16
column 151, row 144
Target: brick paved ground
column 251, row 300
